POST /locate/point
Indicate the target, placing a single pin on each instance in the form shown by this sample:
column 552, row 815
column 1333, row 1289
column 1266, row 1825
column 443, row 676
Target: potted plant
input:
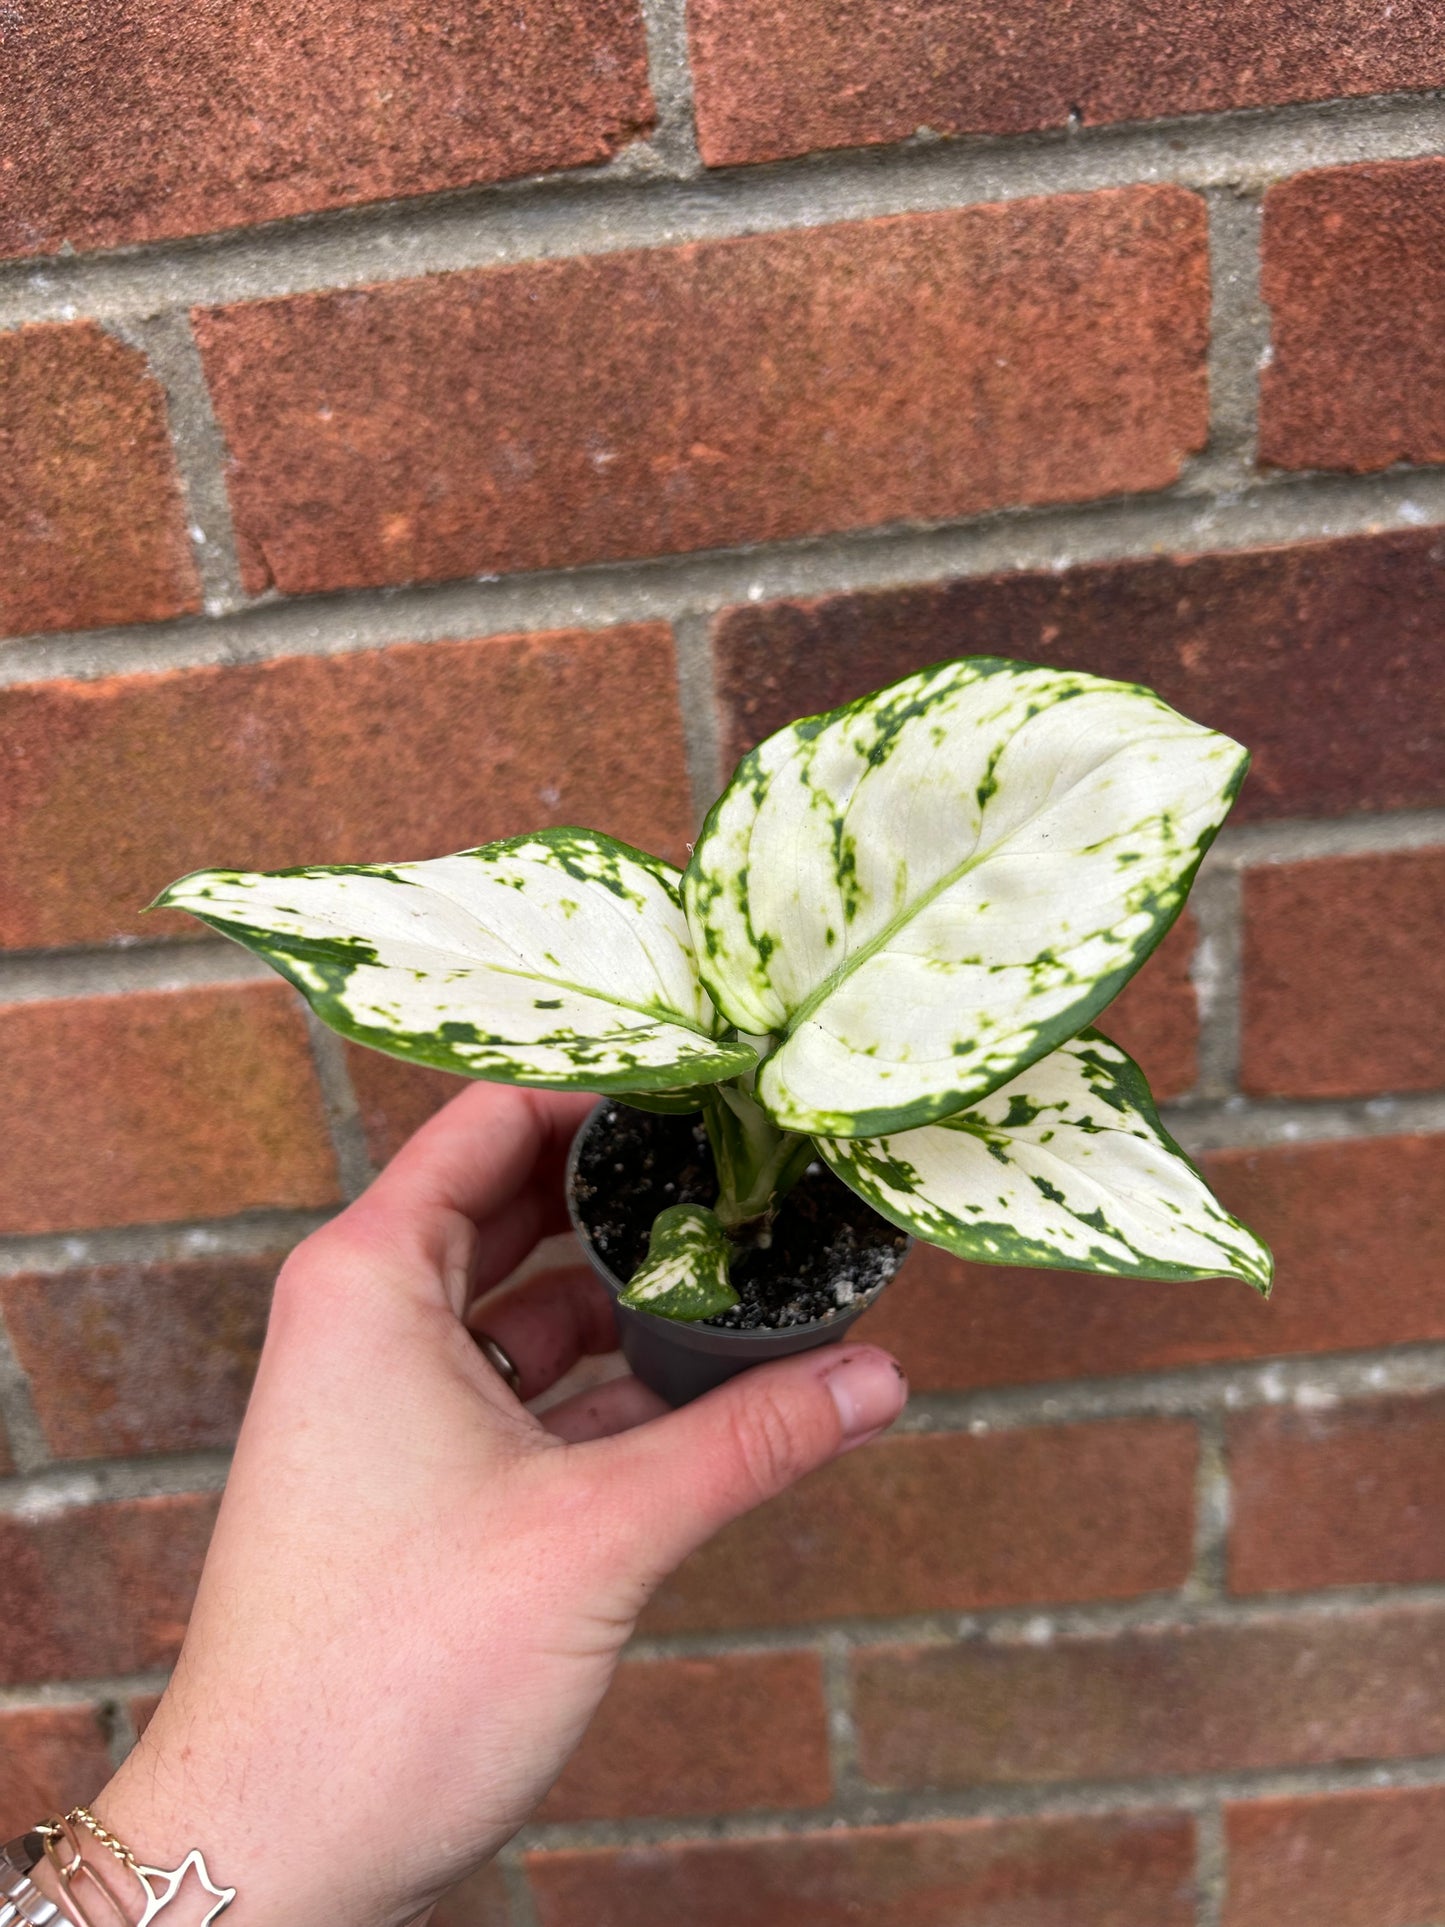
column 860, row 1015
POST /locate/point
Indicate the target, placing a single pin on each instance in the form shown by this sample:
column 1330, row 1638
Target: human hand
column 417, row 1590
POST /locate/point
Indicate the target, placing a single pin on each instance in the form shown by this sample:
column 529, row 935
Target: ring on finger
column 499, row 1360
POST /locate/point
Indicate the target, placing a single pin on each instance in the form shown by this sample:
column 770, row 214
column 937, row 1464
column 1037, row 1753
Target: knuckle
column 772, row 1442
column 300, row 1283
column 322, row 1269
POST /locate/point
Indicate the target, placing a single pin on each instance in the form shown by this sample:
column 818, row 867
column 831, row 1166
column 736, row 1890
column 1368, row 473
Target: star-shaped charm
column 162, row 1887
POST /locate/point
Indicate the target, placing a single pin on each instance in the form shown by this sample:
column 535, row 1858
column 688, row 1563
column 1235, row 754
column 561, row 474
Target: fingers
column 683, row 1476
column 603, row 1410
column 476, row 1187
column 482, row 1149
column 546, row 1323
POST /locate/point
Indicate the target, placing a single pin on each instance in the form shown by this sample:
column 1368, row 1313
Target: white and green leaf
column 1067, row 1166
column 685, row 1272
column 923, row 892
column 559, row 959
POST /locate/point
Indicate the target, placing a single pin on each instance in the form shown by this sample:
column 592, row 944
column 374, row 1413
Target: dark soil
column 826, row 1247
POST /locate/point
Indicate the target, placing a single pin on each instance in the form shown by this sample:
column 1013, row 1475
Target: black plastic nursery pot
column 826, row 1260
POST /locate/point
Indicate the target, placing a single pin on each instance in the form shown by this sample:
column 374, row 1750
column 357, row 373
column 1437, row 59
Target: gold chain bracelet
column 160, row 1885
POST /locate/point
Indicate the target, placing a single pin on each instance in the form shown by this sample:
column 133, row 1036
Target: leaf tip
column 1260, row 1277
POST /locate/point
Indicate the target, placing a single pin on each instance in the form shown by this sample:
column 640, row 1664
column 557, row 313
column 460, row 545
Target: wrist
column 199, row 1783
column 188, row 1862
column 91, row 1877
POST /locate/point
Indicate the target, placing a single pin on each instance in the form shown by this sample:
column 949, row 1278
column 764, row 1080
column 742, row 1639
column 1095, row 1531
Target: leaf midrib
column 606, row 997
column 659, row 1013
column 869, row 950
column 849, row 964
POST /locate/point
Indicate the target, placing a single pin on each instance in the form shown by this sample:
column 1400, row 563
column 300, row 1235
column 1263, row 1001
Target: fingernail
column 869, row 1390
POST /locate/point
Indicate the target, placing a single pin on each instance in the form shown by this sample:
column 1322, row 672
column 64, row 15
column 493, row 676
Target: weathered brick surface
column 694, row 1736
column 924, row 366
column 1354, row 1227
column 1338, row 1497
column 920, row 1524
column 478, row 1902
column 164, row 121
column 781, row 77
column 1326, row 658
column 1018, row 1873
column 164, row 1104
column 1352, row 1859
column 1344, row 976
column 140, row 1358
column 114, row 788
column 1187, row 1700
column 51, row 1757
column 91, row 525
column 395, row 1099
column 579, row 404
column 1357, row 378
column 93, row 1590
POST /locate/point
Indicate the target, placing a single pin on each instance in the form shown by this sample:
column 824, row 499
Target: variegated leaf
column 685, row 1272
column 557, row 959
column 1066, row 1166
column 925, row 891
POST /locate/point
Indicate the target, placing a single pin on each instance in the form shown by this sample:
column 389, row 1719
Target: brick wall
column 410, row 436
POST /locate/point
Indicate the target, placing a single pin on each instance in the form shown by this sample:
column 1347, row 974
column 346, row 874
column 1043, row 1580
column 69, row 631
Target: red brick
column 395, row 1099
column 478, row 1902
column 91, row 525
column 165, row 122
column 164, row 1104
column 919, row 367
column 1355, row 1230
column 1357, row 381
column 680, row 1736
column 950, row 1522
column 1352, row 1859
column 780, row 77
column 1182, row 1700
column 117, row 787
column 1353, row 630
column 92, row 1590
column 1115, row 1872
column 1346, row 1497
column 1344, row 976
column 126, row 1359
column 51, row 1758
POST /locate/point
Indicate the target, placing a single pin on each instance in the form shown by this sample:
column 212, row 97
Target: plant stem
column 757, row 1164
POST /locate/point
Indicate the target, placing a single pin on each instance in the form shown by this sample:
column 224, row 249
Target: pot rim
column 690, row 1332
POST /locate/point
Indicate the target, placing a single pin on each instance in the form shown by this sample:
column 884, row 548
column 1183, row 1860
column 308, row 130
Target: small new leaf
column 924, row 892
column 558, row 959
column 1067, row 1166
column 685, row 1272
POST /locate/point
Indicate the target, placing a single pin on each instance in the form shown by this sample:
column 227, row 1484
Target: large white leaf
column 557, row 959
column 927, row 890
column 1066, row 1166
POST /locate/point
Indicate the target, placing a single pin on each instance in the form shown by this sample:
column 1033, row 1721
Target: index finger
column 484, row 1151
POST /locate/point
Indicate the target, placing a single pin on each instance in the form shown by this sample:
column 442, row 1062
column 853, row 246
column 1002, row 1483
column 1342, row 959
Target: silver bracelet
column 20, row 1898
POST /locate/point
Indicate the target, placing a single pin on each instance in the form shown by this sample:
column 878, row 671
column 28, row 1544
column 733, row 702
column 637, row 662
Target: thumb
column 689, row 1473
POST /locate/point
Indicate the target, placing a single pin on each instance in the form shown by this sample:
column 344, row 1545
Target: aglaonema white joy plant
column 886, row 952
